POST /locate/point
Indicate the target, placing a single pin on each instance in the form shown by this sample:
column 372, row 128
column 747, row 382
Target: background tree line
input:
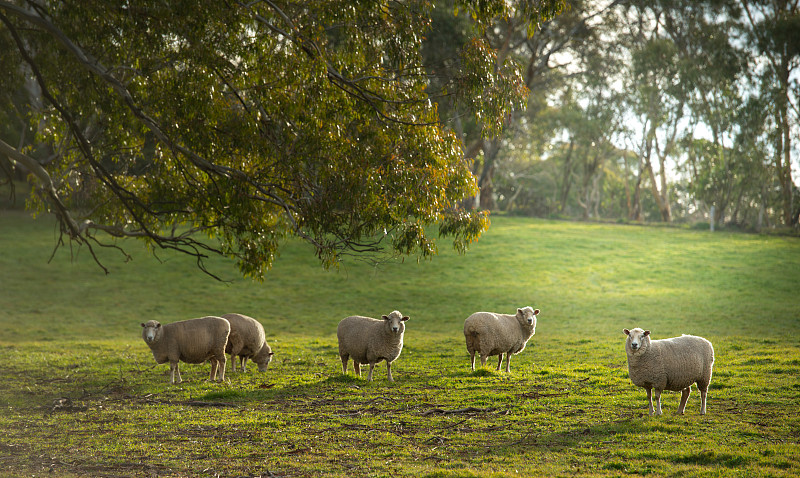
column 645, row 111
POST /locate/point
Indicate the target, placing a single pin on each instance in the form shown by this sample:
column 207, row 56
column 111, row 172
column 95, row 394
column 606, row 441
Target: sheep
column 190, row 341
column 490, row 334
column 669, row 364
column 369, row 340
column 247, row 341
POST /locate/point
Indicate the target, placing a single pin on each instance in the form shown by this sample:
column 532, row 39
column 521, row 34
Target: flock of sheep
column 673, row 364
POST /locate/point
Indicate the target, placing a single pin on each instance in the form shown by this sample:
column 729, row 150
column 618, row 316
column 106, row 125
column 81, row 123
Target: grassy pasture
column 81, row 396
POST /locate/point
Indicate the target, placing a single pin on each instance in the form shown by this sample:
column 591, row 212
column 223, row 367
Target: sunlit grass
column 81, row 395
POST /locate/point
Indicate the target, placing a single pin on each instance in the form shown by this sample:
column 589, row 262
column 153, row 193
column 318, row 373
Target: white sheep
column 490, row 334
column 247, row 341
column 669, row 364
column 369, row 340
column 190, row 341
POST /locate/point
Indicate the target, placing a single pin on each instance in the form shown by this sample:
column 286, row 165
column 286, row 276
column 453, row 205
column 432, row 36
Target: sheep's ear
column 385, row 317
column 626, row 331
column 535, row 311
column 271, row 354
column 158, row 326
column 142, row 324
column 646, row 333
column 404, row 318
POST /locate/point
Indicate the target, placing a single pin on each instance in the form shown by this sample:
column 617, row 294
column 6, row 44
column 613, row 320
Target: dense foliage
column 221, row 127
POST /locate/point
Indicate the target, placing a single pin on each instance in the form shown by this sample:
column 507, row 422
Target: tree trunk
column 660, row 196
column 719, row 215
column 664, row 206
column 596, row 194
column 589, row 195
column 785, row 172
column 661, row 201
column 636, row 214
column 566, row 182
column 628, row 195
column 485, row 183
column 762, row 209
column 517, row 190
column 471, row 155
column 737, row 207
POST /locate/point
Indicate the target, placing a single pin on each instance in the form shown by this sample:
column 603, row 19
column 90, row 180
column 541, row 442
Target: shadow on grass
column 712, row 458
column 605, row 434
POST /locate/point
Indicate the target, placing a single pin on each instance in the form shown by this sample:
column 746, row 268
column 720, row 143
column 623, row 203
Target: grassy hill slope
column 84, row 397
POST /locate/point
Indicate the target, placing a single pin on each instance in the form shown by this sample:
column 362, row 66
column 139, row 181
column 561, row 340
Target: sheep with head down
column 489, row 333
column 669, row 364
column 368, row 340
column 247, row 341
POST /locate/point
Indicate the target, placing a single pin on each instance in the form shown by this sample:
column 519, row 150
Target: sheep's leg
column 483, row 360
column 233, row 361
column 174, row 372
column 684, row 398
column 703, row 393
column 472, row 360
column 650, row 400
column 243, row 363
column 221, row 367
column 357, row 367
column 214, row 367
column 508, row 362
column 344, row 363
column 371, row 368
column 389, row 371
column 236, row 347
column 657, row 396
column 499, row 361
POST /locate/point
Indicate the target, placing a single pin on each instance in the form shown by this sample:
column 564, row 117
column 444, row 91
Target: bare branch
column 47, row 185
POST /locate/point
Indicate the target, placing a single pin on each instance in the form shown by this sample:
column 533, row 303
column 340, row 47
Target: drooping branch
column 226, row 143
column 75, row 231
column 48, row 187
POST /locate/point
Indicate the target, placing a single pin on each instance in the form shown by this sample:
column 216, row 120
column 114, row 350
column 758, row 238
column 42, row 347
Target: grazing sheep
column 369, row 340
column 669, row 364
column 247, row 341
column 495, row 334
column 190, row 341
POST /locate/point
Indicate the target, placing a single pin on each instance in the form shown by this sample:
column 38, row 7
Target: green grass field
column 81, row 395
